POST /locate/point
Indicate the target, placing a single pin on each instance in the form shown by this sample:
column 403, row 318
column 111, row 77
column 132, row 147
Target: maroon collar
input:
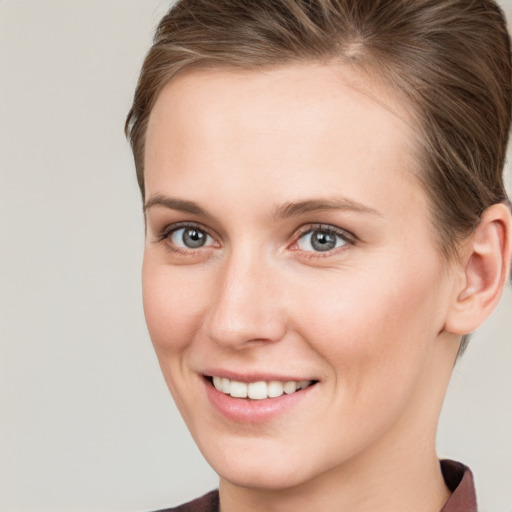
column 459, row 480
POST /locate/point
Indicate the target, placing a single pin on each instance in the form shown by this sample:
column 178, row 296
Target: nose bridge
column 246, row 307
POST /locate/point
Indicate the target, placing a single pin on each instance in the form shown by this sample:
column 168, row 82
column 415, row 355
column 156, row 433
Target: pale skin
column 257, row 162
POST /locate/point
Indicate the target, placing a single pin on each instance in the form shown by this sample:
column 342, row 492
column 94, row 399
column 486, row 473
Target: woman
column 326, row 222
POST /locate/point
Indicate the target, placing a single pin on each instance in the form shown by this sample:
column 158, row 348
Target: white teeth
column 275, row 388
column 304, row 384
column 290, row 387
column 238, row 389
column 217, row 382
column 258, row 390
column 226, row 385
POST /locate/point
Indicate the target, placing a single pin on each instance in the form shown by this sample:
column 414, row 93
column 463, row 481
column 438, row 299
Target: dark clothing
column 207, row 503
column 458, row 478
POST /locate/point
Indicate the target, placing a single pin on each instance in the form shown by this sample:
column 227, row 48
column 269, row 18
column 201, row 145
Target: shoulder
column 207, row 503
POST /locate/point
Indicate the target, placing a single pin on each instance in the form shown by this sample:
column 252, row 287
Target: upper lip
column 253, row 376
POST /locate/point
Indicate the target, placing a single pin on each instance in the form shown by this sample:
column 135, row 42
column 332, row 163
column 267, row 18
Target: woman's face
column 289, row 245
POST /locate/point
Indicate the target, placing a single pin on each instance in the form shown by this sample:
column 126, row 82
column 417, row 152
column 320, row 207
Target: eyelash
column 167, row 231
column 347, row 237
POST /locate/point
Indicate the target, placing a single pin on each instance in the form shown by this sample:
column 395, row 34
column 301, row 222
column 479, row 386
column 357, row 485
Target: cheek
column 375, row 332
column 174, row 301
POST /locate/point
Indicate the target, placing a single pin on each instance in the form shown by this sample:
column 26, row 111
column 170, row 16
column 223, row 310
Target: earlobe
column 486, row 264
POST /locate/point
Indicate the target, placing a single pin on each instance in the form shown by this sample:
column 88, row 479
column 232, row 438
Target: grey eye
column 190, row 238
column 321, row 240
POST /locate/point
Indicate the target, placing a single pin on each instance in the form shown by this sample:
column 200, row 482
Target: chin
column 262, row 478
column 261, row 468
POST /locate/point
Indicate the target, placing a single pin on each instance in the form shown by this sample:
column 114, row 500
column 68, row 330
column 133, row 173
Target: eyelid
column 319, row 226
column 164, row 235
column 325, row 227
column 166, row 231
column 347, row 236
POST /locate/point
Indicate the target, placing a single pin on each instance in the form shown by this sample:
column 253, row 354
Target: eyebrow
column 175, row 204
column 297, row 208
column 287, row 210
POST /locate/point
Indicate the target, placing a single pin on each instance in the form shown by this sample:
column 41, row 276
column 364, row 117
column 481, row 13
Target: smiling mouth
column 259, row 390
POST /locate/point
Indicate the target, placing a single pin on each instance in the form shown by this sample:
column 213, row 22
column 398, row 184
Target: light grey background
column 86, row 422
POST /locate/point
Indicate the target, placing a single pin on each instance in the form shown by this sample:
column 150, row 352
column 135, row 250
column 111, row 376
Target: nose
column 247, row 307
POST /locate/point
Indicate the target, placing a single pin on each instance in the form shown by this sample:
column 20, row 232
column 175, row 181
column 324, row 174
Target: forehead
column 307, row 123
column 311, row 84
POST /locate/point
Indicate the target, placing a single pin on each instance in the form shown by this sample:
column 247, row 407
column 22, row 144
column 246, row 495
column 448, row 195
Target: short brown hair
column 449, row 59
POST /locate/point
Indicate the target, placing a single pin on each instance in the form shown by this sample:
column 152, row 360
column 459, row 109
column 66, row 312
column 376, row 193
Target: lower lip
column 245, row 410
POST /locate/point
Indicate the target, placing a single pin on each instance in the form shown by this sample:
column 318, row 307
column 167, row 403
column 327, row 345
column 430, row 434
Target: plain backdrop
column 86, row 422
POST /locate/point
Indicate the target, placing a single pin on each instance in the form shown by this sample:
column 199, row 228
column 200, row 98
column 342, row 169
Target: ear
column 485, row 261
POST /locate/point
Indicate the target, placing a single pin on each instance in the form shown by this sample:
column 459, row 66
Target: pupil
column 322, row 241
column 193, row 238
